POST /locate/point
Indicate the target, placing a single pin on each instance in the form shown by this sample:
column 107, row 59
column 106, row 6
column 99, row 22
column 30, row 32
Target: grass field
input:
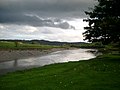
column 101, row 73
column 25, row 46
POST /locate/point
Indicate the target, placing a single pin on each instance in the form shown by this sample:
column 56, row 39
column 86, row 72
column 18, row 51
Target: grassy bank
column 25, row 46
column 101, row 73
column 97, row 45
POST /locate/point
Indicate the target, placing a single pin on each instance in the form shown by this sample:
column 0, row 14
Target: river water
column 51, row 58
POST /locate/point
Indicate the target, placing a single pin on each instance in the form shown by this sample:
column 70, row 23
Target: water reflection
column 55, row 57
column 15, row 63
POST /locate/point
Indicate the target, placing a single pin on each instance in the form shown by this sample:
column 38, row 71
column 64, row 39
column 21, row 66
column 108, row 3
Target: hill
column 44, row 42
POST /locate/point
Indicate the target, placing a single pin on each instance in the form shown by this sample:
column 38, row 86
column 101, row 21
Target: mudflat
column 7, row 55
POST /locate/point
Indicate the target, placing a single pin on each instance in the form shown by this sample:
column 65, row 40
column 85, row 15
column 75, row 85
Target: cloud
column 14, row 10
column 51, row 22
column 43, row 19
column 46, row 33
column 35, row 20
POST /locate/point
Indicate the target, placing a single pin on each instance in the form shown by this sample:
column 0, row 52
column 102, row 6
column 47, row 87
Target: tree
column 16, row 43
column 104, row 22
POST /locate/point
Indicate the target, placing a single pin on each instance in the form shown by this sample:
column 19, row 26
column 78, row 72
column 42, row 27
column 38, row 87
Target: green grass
column 25, row 46
column 89, row 45
column 101, row 73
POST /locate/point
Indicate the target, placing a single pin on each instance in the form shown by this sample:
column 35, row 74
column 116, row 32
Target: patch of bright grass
column 101, row 73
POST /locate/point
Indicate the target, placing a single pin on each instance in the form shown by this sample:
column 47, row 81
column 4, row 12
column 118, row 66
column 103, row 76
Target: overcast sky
column 56, row 20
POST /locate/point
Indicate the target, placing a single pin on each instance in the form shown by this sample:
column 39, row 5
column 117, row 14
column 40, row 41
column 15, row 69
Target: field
column 25, row 46
column 101, row 73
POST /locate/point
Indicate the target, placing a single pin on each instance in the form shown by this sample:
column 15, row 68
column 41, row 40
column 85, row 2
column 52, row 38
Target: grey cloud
column 50, row 22
column 13, row 11
column 34, row 20
column 33, row 6
column 44, row 5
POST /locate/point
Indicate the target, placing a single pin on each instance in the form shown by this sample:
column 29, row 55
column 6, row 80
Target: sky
column 54, row 20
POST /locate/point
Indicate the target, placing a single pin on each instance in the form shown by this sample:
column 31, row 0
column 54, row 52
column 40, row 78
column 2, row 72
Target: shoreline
column 99, row 70
column 9, row 55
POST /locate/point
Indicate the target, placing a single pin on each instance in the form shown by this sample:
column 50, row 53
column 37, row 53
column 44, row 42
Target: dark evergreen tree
column 104, row 22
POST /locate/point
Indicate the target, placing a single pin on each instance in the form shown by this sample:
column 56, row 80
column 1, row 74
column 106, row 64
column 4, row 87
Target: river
column 51, row 58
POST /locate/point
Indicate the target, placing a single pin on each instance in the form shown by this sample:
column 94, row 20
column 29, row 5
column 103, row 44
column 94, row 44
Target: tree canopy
column 103, row 22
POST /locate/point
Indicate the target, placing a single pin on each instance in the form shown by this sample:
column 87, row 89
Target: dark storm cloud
column 44, row 5
column 14, row 11
column 34, row 20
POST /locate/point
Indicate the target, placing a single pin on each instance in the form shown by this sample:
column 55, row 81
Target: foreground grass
column 102, row 73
